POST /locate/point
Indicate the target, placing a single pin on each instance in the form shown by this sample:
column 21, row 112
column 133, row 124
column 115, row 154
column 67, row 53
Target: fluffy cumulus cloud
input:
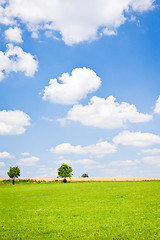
column 14, row 35
column 125, row 163
column 72, row 87
column 157, row 107
column 151, row 160
column 16, row 60
column 106, row 113
column 13, row 122
column 99, row 149
column 152, row 151
column 29, row 162
column 142, row 5
column 137, row 139
column 76, row 21
column 5, row 155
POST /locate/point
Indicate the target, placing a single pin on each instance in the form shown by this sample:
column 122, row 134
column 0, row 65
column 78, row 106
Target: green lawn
column 90, row 210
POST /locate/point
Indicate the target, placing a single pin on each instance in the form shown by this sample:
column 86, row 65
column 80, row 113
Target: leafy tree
column 65, row 171
column 84, row 175
column 14, row 172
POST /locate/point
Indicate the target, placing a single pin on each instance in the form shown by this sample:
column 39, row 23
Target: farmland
column 82, row 210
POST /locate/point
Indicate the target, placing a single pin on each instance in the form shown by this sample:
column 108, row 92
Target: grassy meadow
column 86, row 210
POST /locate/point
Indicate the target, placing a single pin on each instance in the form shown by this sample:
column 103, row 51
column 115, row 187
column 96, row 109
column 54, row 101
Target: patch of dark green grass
column 90, row 210
column 21, row 181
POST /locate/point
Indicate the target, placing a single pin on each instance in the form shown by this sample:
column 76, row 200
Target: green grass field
column 90, row 210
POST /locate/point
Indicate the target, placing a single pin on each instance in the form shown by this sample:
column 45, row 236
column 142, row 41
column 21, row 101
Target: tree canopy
column 84, row 175
column 65, row 171
column 14, row 172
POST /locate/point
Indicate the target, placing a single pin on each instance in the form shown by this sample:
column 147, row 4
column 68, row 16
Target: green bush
column 84, row 175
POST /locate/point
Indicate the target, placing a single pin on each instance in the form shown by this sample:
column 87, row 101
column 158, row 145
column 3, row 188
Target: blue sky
column 100, row 112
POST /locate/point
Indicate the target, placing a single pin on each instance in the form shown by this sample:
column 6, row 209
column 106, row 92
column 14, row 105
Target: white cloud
column 125, row 163
column 25, row 154
column 29, row 162
column 16, row 60
column 5, row 155
column 142, row 5
column 76, row 21
column 136, row 139
column 157, row 107
column 72, row 87
column 13, row 122
column 99, row 149
column 84, row 161
column 152, row 151
column 2, row 164
column 108, row 32
column 152, row 160
column 14, row 35
column 106, row 113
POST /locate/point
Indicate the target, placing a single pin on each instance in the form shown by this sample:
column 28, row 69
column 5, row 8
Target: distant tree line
column 64, row 171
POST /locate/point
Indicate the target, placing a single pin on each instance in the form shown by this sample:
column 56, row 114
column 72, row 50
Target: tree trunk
column 13, row 181
column 65, row 180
